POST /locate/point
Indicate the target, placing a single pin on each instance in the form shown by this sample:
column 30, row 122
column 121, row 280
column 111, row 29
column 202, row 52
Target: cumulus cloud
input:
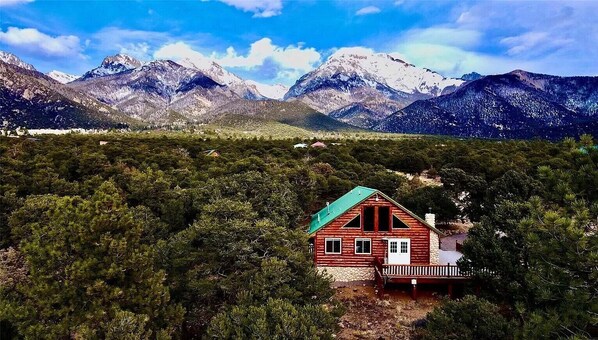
column 259, row 8
column 368, row 10
column 6, row 3
column 137, row 43
column 37, row 43
column 264, row 59
column 291, row 57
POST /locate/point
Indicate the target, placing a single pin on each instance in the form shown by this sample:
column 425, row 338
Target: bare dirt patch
column 391, row 317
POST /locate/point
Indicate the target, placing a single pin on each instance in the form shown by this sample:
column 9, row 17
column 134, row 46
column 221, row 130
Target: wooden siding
column 417, row 232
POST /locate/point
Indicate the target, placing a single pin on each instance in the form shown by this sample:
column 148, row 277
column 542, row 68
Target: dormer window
column 369, row 218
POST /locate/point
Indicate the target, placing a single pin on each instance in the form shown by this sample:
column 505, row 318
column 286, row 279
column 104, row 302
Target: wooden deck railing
column 415, row 271
column 422, row 270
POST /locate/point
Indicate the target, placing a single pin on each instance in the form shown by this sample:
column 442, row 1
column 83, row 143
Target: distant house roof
column 300, row 145
column 318, row 145
column 348, row 201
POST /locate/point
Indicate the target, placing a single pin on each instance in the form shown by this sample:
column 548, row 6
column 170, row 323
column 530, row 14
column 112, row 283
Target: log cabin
column 365, row 235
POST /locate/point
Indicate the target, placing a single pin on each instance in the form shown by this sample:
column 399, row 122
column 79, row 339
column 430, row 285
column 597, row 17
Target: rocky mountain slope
column 31, row 99
column 161, row 91
column 241, row 87
column 518, row 104
column 360, row 87
column 12, row 59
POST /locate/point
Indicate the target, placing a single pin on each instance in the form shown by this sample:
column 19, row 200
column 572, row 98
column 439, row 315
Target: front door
column 399, row 251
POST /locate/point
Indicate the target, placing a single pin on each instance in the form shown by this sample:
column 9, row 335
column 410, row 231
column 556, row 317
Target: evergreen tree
column 88, row 272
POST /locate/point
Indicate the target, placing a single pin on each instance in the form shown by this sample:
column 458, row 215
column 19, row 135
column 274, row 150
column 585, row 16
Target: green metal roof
column 338, row 207
column 348, row 201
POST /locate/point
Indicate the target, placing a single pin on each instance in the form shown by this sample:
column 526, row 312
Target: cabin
column 366, row 236
column 300, row 146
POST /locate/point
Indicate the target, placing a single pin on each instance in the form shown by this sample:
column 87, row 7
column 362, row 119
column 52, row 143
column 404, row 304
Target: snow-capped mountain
column 61, row 77
column 31, row 99
column 160, row 91
column 210, row 68
column 12, row 59
column 113, row 65
column 518, row 104
column 359, row 76
column 276, row 91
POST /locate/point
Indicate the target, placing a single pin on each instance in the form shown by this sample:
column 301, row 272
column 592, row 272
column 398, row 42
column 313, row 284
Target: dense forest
column 146, row 236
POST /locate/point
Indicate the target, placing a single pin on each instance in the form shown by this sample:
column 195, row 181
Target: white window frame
column 340, row 240
column 362, row 239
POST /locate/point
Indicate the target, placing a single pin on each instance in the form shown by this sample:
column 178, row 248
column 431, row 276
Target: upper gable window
column 355, row 223
column 368, row 218
column 398, row 224
column 383, row 218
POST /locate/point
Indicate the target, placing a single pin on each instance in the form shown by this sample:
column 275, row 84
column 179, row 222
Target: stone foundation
column 348, row 274
column 434, row 248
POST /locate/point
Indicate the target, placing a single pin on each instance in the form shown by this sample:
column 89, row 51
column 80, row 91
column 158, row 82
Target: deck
column 416, row 274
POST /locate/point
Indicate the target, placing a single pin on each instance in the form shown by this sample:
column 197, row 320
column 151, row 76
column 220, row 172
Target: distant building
column 212, row 153
column 103, row 142
column 318, row 145
column 300, row 146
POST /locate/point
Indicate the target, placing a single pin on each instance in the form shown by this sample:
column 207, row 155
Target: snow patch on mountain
column 276, row 91
column 61, row 77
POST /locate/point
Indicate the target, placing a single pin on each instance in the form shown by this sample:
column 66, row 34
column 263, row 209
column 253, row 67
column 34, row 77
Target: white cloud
column 284, row 64
column 291, row 57
column 6, row 3
column 137, row 43
column 368, row 10
column 460, row 37
column 259, row 8
column 38, row 43
column 533, row 41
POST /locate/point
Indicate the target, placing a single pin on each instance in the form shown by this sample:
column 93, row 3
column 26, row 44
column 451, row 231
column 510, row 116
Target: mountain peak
column 471, row 76
column 12, row 59
column 121, row 59
column 112, row 65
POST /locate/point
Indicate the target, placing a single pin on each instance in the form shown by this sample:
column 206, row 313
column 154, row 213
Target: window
column 363, row 246
column 398, row 224
column 383, row 218
column 333, row 246
column 393, row 247
column 354, row 223
column 368, row 218
column 403, row 247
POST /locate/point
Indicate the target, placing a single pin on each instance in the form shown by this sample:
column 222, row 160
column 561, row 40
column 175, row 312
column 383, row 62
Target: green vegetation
column 149, row 237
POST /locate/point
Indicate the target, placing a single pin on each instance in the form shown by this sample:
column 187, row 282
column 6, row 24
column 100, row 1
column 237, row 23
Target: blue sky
column 276, row 41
